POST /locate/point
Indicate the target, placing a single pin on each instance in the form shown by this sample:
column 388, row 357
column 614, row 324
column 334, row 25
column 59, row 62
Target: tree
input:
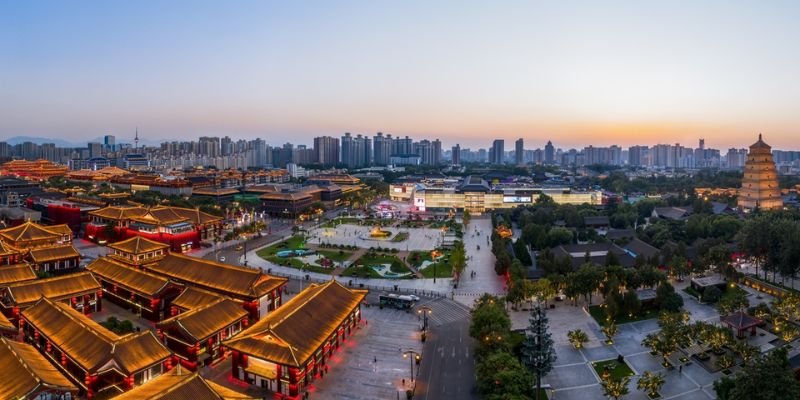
column 467, row 217
column 630, row 303
column 723, row 387
column 650, row 383
column 769, row 377
column 615, row 388
column 501, row 374
column 490, row 323
column 577, row 338
column 458, row 258
column 610, row 331
column 735, row 299
column 725, row 361
column 711, row 294
column 538, row 354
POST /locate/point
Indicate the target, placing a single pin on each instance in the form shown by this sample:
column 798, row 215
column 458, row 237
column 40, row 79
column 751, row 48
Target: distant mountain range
column 63, row 143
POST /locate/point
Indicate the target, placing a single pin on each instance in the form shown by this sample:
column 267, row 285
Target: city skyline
column 576, row 73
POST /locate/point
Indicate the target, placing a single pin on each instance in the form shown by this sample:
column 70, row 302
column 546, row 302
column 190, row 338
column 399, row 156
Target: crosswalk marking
column 444, row 311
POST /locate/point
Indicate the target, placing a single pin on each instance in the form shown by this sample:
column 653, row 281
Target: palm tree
column 577, row 338
column 610, row 331
column 650, row 383
column 615, row 388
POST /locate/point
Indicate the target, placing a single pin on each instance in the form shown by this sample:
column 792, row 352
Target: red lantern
column 15, row 310
column 99, row 294
column 63, row 359
column 49, row 347
column 36, row 335
column 245, row 322
column 74, row 300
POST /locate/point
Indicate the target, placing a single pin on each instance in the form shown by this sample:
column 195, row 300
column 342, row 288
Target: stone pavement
column 573, row 376
column 354, row 372
column 481, row 261
column 355, row 235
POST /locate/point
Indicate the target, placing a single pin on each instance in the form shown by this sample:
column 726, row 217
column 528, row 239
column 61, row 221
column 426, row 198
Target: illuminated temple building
column 285, row 351
column 48, row 248
column 33, row 170
column 101, row 362
column 760, row 187
column 181, row 228
column 28, row 375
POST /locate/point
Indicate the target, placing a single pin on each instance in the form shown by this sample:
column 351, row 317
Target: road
column 447, row 370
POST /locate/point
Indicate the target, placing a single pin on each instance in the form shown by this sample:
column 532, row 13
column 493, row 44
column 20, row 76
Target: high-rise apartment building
column 382, row 149
column 356, row 151
column 549, row 153
column 456, row 154
column 327, row 150
column 402, row 146
column 519, row 152
column 497, row 152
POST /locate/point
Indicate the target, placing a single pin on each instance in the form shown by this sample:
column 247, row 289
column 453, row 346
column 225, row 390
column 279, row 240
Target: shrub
column 712, row 294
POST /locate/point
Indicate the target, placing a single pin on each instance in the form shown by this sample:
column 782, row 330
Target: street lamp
column 424, row 310
column 412, row 356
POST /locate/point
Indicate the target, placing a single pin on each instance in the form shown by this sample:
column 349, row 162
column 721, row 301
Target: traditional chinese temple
column 48, row 248
column 760, row 187
column 181, row 228
column 286, row 350
column 28, row 375
column 260, row 293
column 34, row 170
column 100, row 361
column 181, row 384
column 79, row 291
column 144, row 293
column 196, row 336
column 11, row 274
column 138, row 251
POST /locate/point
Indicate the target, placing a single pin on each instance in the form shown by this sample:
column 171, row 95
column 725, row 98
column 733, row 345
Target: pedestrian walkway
column 481, row 262
column 444, row 311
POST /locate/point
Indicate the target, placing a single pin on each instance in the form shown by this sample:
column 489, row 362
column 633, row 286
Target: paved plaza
column 424, row 239
column 371, row 365
column 574, row 378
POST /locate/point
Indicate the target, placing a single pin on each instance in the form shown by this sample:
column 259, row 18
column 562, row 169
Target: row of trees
column 773, row 240
column 502, row 373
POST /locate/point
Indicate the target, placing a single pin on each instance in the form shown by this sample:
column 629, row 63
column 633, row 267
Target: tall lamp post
column 424, row 310
column 412, row 357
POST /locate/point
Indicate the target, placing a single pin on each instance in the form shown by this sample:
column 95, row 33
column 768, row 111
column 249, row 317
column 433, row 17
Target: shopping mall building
column 475, row 194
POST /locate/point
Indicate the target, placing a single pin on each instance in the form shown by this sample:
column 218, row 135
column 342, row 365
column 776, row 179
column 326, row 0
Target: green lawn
column 361, row 272
column 401, row 236
column 416, row 258
column 376, row 259
column 336, row 255
column 599, row 315
column 443, row 270
column 730, row 292
column 616, row 369
column 292, row 243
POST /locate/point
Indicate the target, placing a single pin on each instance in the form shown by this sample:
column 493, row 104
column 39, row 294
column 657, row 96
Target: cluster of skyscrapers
column 359, row 151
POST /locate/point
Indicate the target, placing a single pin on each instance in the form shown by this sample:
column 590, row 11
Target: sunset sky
column 576, row 73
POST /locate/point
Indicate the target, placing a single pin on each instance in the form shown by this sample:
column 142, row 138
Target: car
column 222, row 259
column 414, row 297
column 239, row 247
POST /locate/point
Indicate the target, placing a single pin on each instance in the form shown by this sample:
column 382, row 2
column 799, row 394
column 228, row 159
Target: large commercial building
column 760, row 181
column 476, row 195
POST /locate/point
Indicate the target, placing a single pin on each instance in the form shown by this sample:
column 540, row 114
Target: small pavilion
column 740, row 322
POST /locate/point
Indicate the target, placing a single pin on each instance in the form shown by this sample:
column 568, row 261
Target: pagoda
column 760, row 181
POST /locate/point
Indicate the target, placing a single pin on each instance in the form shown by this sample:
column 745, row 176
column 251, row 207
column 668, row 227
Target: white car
column 222, row 259
column 414, row 297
